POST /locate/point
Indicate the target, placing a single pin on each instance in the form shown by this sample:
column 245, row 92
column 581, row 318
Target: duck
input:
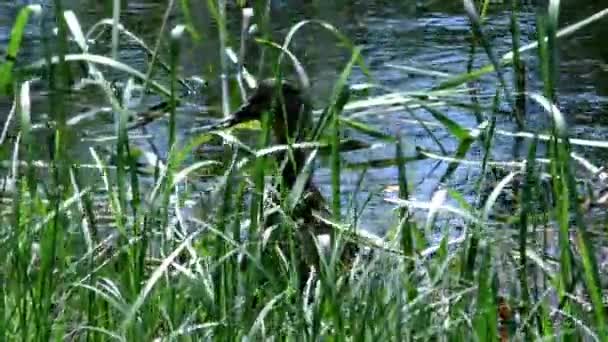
column 290, row 118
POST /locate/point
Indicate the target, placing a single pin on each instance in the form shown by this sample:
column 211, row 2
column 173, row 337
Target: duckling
column 291, row 122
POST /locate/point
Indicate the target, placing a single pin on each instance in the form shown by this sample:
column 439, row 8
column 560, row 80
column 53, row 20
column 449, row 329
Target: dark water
column 432, row 36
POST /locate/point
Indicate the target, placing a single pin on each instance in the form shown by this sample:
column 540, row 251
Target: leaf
column 14, row 45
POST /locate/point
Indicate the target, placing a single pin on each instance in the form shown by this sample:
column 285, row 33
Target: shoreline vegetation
column 167, row 243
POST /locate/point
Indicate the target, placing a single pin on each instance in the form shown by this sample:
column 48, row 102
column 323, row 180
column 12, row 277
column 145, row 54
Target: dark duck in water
column 290, row 118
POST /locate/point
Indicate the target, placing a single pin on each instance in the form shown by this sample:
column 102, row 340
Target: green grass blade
column 14, row 45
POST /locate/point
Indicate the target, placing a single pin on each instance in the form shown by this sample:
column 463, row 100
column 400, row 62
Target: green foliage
column 14, row 45
column 99, row 252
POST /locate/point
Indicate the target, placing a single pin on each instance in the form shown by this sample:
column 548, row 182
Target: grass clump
column 95, row 249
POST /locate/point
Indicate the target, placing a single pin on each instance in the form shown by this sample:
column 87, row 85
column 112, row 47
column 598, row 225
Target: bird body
column 291, row 121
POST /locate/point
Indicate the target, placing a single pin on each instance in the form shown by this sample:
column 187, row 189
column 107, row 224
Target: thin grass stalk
column 189, row 20
column 26, row 136
column 115, row 26
column 263, row 23
column 135, row 193
column 544, row 54
column 222, row 34
column 590, row 270
column 236, row 279
column 590, row 265
column 526, row 208
column 486, row 320
column 169, row 241
column 27, row 186
column 487, row 139
column 257, row 205
column 119, row 195
column 476, row 26
column 59, row 80
column 335, row 165
column 507, row 58
column 552, row 49
column 4, row 323
column 24, row 302
column 353, row 205
column 14, row 45
column 50, row 253
column 176, row 35
column 406, row 227
column 167, row 182
column 339, row 99
column 557, row 166
column 157, row 46
column 519, row 69
column 247, row 14
column 92, row 238
column 473, row 91
column 562, row 196
column 404, row 192
column 223, row 276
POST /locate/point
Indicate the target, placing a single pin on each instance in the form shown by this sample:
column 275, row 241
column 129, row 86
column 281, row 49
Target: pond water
column 431, row 36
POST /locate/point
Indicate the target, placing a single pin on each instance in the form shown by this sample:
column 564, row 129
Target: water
column 431, row 36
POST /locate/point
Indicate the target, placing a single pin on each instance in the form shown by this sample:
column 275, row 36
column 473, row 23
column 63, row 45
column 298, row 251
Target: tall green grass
column 106, row 253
